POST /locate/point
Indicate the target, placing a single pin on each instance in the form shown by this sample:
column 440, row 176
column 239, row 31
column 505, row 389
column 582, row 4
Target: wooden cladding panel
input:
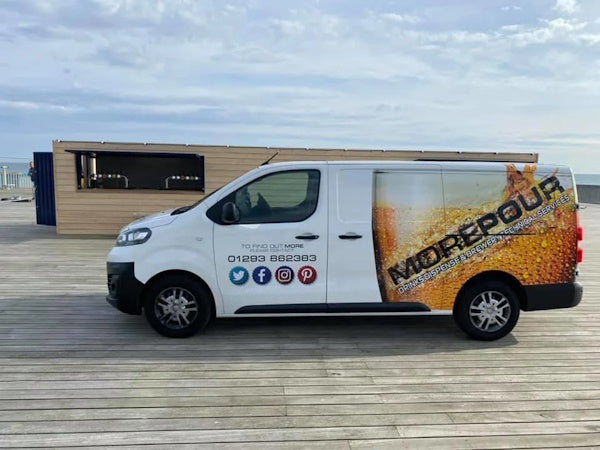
column 104, row 212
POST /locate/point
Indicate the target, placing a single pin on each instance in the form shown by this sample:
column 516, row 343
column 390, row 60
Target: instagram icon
column 284, row 275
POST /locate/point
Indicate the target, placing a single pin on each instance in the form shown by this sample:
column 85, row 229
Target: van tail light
column 579, row 239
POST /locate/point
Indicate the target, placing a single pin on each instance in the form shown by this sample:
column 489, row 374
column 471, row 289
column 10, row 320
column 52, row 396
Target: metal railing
column 14, row 180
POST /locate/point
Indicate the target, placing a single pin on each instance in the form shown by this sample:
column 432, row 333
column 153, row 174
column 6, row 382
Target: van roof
column 475, row 166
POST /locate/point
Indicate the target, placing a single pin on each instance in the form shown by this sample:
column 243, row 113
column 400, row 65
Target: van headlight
column 133, row 237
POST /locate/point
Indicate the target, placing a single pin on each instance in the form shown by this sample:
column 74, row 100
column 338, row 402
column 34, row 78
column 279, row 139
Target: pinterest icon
column 307, row 274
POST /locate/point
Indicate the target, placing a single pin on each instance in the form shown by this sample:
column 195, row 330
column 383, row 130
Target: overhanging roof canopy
column 95, row 153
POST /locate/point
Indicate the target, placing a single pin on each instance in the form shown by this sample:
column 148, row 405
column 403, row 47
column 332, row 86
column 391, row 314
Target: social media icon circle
column 284, row 275
column 238, row 275
column 261, row 275
column 307, row 274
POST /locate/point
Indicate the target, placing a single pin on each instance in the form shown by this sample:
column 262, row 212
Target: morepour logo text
column 472, row 232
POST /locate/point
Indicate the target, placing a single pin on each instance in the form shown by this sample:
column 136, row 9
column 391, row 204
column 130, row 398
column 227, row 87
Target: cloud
column 401, row 18
column 289, row 27
column 560, row 30
column 308, row 24
column 458, row 37
column 511, row 8
column 19, row 104
column 566, row 25
column 566, row 6
column 32, row 105
column 124, row 54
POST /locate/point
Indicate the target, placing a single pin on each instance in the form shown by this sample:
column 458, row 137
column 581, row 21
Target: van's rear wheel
column 487, row 310
column 177, row 306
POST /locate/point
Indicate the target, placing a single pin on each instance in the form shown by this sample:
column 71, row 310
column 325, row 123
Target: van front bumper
column 552, row 296
column 124, row 290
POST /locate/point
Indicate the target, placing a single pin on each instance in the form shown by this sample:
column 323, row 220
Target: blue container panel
column 45, row 208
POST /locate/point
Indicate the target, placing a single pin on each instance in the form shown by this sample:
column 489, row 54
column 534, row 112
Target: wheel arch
column 178, row 272
column 499, row 275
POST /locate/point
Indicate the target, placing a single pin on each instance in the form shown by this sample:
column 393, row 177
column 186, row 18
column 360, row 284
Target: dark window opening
column 133, row 170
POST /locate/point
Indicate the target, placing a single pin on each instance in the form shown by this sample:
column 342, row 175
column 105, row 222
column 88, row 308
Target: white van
column 481, row 241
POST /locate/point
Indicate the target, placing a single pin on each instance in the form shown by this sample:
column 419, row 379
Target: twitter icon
column 238, row 275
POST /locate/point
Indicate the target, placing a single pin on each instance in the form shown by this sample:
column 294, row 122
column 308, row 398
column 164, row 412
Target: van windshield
column 183, row 209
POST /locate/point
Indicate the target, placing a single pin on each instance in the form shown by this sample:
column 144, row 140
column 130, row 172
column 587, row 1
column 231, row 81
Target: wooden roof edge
column 410, row 154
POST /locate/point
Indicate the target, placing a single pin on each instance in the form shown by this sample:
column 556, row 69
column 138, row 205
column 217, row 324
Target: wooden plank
column 287, row 445
column 169, row 398
column 456, row 412
column 299, row 376
column 265, row 386
column 124, row 371
column 468, row 407
column 559, row 441
column 224, row 423
column 408, row 425
column 201, row 436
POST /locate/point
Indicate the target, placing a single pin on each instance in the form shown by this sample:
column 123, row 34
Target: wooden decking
column 75, row 372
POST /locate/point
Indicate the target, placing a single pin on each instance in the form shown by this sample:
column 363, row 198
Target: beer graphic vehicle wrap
column 434, row 230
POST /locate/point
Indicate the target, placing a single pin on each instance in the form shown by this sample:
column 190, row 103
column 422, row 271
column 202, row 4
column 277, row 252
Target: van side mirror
column 230, row 213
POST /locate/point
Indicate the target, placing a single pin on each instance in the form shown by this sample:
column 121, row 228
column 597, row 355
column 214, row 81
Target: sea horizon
column 21, row 167
column 588, row 178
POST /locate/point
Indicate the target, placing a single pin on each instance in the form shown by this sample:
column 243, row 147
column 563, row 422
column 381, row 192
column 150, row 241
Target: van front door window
column 281, row 197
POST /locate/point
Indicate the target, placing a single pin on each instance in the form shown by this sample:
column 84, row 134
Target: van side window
column 289, row 196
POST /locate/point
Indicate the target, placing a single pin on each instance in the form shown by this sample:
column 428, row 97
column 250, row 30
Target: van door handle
column 350, row 236
column 307, row 236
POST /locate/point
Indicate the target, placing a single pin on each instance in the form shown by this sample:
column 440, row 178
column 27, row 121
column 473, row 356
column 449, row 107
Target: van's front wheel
column 177, row 306
column 487, row 310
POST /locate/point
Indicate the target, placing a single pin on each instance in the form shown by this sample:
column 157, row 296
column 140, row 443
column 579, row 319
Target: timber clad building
column 102, row 186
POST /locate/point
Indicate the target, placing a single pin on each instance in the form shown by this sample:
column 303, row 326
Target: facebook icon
column 261, row 275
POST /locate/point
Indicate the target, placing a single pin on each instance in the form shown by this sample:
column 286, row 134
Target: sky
column 495, row 75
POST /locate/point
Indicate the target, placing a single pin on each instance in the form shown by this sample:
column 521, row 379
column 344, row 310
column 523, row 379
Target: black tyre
column 487, row 310
column 177, row 306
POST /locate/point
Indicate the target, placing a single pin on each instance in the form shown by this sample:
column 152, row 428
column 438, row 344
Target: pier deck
column 74, row 372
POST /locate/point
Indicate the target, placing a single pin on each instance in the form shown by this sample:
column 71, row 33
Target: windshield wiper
column 181, row 210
